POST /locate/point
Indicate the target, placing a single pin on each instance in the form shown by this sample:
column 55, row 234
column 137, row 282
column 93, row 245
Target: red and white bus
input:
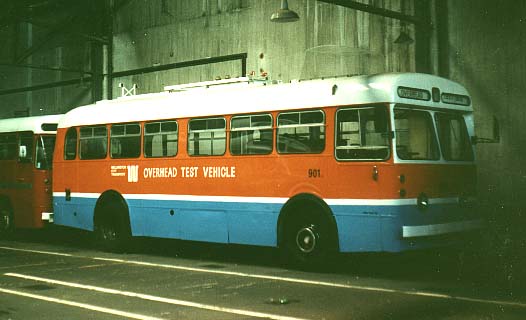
column 26, row 154
column 347, row 164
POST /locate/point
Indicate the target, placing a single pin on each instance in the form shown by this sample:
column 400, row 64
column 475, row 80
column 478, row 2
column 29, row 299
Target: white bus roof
column 34, row 124
column 252, row 98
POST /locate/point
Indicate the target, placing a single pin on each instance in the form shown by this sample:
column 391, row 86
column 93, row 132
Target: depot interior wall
column 327, row 40
column 486, row 54
column 63, row 52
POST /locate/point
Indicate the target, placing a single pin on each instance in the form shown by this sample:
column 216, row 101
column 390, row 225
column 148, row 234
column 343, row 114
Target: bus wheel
column 6, row 221
column 112, row 230
column 306, row 243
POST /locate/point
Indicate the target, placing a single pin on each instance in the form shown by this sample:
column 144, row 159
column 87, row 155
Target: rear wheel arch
column 111, row 222
column 110, row 197
column 306, row 216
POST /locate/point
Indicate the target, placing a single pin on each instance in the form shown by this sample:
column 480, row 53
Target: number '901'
column 314, row 173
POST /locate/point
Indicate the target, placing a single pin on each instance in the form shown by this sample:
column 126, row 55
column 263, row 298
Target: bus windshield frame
column 426, row 135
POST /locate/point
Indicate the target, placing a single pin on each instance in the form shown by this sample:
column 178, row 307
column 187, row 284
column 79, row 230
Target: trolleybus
column 26, row 154
column 346, row 164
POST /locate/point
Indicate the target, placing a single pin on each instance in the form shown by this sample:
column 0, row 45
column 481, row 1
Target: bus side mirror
column 493, row 130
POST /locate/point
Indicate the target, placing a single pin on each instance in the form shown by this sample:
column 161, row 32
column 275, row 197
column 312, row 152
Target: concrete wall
column 487, row 42
column 328, row 40
column 60, row 54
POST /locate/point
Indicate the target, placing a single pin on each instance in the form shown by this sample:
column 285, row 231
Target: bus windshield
column 416, row 138
column 454, row 137
column 44, row 152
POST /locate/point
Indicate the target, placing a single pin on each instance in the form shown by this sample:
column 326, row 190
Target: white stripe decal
column 154, row 298
column 81, row 305
column 269, row 200
column 77, row 195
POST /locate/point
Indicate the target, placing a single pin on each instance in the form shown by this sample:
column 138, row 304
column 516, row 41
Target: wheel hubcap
column 306, row 239
column 108, row 233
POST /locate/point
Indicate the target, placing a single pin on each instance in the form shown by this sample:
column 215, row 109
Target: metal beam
column 45, row 86
column 191, row 63
column 32, row 66
column 381, row 11
column 232, row 57
column 423, row 38
column 58, row 29
column 45, row 40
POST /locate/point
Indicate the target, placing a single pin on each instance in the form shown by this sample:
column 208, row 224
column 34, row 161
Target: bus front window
column 44, row 152
column 454, row 137
column 415, row 135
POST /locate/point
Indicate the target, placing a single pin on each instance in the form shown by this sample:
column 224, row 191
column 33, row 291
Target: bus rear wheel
column 306, row 243
column 112, row 230
column 6, row 221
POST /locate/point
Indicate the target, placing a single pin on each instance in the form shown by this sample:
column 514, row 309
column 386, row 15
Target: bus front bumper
column 441, row 229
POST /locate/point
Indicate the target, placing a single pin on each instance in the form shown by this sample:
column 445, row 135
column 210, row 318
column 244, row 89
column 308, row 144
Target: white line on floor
column 291, row 280
column 154, row 298
column 80, row 305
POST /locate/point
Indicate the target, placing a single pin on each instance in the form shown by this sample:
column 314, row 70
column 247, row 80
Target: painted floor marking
column 81, row 305
column 319, row 283
column 154, row 298
column 292, row 280
column 38, row 251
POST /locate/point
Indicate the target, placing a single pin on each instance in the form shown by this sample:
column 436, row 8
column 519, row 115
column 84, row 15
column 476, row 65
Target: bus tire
column 6, row 220
column 308, row 235
column 112, row 227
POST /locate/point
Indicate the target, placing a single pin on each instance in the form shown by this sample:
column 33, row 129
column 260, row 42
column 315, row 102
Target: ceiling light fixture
column 284, row 14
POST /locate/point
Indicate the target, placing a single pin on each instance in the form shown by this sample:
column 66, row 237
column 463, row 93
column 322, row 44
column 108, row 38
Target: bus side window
column 160, row 139
column 125, row 141
column 93, row 142
column 70, row 144
column 362, row 133
column 301, row 132
column 25, row 147
column 8, row 147
column 207, row 137
column 251, row 134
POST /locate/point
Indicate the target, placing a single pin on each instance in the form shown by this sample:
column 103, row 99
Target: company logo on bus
column 133, row 173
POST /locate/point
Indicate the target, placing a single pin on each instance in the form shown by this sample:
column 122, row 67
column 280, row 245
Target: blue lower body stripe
column 361, row 228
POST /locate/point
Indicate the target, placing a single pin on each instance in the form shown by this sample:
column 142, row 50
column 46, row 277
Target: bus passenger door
column 65, row 180
column 23, row 198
